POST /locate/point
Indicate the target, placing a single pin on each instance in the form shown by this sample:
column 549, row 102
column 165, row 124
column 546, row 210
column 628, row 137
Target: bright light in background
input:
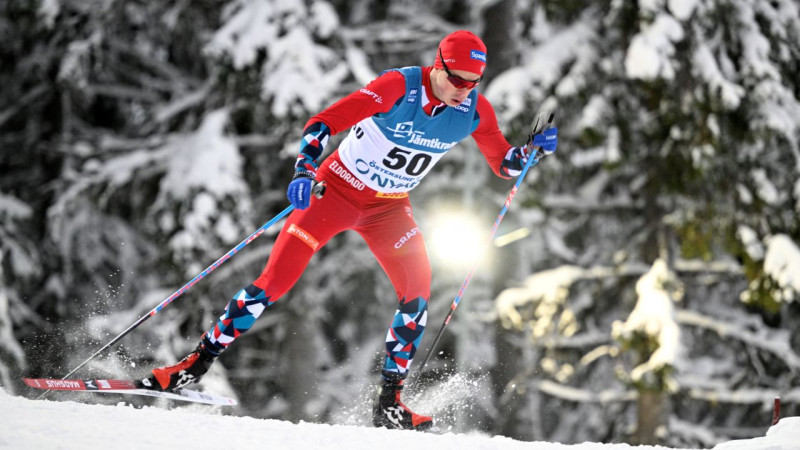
column 458, row 239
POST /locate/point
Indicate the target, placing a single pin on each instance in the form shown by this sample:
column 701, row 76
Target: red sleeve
column 490, row 139
column 377, row 97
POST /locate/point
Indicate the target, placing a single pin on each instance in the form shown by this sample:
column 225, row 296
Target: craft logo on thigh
column 304, row 236
column 403, row 239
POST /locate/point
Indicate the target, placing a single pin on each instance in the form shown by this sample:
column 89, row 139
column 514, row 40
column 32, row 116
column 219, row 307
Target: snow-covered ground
column 44, row 424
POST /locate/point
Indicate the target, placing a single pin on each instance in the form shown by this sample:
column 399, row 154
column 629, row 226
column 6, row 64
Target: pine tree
column 677, row 149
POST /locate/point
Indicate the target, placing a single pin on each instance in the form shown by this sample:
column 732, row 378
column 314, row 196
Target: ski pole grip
column 319, row 189
column 539, row 126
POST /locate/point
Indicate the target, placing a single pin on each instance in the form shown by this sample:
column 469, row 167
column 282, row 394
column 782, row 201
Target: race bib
column 383, row 163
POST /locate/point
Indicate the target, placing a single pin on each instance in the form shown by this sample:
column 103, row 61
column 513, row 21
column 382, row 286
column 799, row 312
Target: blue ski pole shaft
column 184, row 288
column 532, row 161
column 318, row 190
column 217, row 263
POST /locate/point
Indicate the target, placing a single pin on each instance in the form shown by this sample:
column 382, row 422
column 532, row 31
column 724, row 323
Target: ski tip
column 32, row 382
column 130, row 387
column 54, row 384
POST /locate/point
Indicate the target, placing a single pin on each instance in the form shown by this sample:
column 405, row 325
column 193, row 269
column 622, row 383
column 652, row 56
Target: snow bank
column 785, row 435
column 44, row 424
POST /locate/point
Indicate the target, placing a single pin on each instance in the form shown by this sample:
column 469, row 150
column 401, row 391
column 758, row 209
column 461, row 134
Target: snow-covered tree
column 679, row 144
column 19, row 267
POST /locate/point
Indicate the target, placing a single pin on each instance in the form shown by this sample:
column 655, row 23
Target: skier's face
column 445, row 89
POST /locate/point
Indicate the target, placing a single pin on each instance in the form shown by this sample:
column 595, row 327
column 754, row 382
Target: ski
column 128, row 387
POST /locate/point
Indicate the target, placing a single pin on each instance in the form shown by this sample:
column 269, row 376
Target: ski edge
column 126, row 387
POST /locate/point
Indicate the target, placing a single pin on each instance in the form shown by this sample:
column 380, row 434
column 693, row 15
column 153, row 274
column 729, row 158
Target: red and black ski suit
column 383, row 219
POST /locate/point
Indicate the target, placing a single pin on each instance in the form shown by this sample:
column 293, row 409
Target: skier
column 402, row 123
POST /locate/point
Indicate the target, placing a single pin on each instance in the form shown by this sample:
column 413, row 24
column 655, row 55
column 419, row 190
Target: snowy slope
column 44, row 424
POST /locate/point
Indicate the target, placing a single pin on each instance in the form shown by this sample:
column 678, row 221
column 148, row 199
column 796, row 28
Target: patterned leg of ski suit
column 386, row 224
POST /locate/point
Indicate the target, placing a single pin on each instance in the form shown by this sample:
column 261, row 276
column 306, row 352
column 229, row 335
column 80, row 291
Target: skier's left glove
column 517, row 157
column 547, row 140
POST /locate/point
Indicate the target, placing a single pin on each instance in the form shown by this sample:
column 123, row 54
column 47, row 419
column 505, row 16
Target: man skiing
column 402, row 123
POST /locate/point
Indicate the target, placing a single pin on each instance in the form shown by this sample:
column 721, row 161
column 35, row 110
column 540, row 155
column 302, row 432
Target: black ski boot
column 189, row 370
column 390, row 412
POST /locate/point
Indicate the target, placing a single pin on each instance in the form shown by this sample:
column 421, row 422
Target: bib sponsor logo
column 403, row 240
column 385, row 178
column 362, row 166
column 304, row 236
column 434, row 143
column 403, row 129
column 406, row 130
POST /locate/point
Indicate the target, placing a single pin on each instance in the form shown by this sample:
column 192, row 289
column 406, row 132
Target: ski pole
column 531, row 162
column 318, row 190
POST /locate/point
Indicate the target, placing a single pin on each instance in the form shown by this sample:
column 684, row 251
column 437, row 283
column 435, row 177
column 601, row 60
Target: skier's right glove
column 299, row 192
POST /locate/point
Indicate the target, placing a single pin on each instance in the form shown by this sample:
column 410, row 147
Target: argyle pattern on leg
column 240, row 314
column 405, row 335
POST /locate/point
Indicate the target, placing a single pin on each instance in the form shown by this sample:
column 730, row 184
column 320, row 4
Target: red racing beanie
column 462, row 50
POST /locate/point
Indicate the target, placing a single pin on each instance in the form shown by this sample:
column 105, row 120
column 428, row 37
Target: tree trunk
column 652, row 407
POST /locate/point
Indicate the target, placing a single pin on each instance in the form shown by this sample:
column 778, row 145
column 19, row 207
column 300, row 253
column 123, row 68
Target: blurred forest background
column 653, row 297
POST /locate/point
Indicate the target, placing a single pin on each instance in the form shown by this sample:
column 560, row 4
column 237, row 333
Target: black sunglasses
column 457, row 81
